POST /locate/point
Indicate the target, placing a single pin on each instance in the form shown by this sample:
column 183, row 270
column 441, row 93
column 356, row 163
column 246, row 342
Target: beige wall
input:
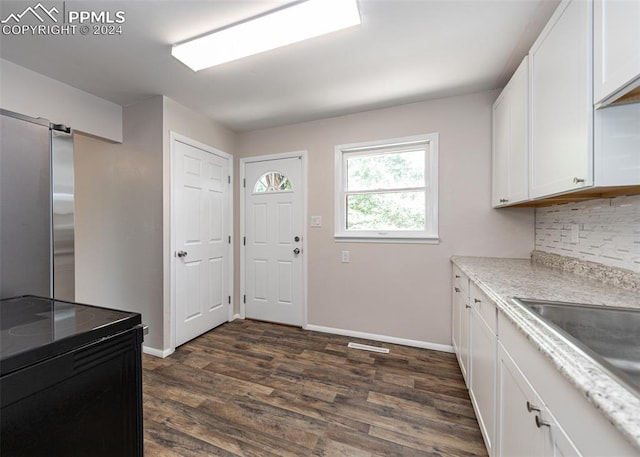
column 32, row 94
column 400, row 290
column 182, row 120
column 122, row 211
column 119, row 218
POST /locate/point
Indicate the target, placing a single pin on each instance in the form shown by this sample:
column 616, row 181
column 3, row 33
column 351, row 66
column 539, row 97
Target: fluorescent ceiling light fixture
column 284, row 26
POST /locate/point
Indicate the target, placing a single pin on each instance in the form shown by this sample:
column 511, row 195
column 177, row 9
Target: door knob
column 296, row 251
column 296, row 239
column 181, row 254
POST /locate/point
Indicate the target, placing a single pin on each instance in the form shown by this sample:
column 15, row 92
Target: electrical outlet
column 345, row 257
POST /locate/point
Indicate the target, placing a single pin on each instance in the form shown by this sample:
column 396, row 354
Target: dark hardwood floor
column 257, row 389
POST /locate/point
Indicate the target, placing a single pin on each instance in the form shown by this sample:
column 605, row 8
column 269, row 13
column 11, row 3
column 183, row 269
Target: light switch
column 316, row 221
column 345, row 257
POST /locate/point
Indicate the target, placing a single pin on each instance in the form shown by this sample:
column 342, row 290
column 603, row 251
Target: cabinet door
column 558, row 443
column 500, row 152
column 464, row 337
column 517, row 172
column 483, row 368
column 460, row 320
column 616, row 46
column 518, row 435
column 510, row 140
column 561, row 102
column 455, row 318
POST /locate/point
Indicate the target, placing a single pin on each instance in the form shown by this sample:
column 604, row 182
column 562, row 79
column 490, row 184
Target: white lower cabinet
column 460, row 321
column 526, row 427
column 559, row 444
column 455, row 319
column 482, row 348
column 569, row 425
column 524, row 405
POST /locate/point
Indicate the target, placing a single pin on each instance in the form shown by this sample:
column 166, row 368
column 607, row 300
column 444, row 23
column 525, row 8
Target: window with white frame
column 388, row 190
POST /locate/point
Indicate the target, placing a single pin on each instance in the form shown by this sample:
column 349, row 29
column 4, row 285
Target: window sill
column 388, row 240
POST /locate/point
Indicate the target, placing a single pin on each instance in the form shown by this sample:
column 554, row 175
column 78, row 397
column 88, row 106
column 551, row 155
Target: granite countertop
column 502, row 278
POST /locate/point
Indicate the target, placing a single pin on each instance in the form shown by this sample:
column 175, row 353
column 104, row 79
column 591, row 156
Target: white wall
column 609, row 231
column 32, row 94
column 400, row 290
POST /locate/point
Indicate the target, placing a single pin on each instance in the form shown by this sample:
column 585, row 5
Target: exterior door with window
column 202, row 251
column 273, row 240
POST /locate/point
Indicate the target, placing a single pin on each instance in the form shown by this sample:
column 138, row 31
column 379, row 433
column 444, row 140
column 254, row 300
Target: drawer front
column 485, row 307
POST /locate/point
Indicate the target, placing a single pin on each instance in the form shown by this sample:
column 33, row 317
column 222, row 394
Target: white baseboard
column 157, row 352
column 235, row 316
column 382, row 338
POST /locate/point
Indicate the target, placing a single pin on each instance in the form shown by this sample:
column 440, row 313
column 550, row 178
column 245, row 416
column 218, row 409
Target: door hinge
column 244, row 299
column 229, row 179
column 244, row 240
column 229, row 239
column 244, row 182
column 229, row 299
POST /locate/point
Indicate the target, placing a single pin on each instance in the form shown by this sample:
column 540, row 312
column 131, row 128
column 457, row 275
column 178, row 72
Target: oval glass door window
column 272, row 181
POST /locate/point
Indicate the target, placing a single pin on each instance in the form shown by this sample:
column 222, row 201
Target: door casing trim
column 264, row 158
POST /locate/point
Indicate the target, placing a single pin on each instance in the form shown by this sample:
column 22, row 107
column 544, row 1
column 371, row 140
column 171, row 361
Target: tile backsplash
column 608, row 231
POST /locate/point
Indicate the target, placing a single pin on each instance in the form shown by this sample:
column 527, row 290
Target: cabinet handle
column 475, row 300
column 467, row 306
column 504, row 200
column 457, row 276
column 578, row 180
column 456, row 289
column 540, row 423
column 531, row 407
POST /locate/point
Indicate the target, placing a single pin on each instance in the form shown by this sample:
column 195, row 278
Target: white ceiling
column 404, row 51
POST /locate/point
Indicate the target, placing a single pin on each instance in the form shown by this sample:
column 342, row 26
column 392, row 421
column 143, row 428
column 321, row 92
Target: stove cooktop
column 35, row 328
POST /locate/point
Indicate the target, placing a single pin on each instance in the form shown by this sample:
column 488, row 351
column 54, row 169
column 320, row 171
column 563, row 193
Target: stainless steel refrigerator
column 36, row 208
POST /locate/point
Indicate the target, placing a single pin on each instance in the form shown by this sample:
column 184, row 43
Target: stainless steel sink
column 610, row 335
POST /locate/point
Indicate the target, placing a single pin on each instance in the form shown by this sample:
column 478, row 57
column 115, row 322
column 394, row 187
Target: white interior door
column 201, row 233
column 273, row 267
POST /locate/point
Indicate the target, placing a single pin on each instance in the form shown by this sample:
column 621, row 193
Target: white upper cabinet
column 552, row 144
column 510, row 140
column 561, row 115
column 616, row 48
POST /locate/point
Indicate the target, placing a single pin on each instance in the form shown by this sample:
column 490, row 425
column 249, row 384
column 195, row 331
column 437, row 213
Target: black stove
column 70, row 379
column 35, row 328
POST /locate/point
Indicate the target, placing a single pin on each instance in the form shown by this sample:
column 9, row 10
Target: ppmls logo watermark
column 58, row 20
